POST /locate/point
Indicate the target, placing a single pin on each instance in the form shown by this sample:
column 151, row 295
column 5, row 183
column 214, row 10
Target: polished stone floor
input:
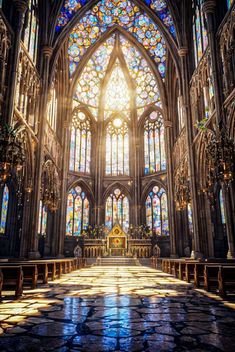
column 116, row 309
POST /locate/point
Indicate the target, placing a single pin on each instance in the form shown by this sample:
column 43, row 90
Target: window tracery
column 157, row 211
column 199, row 31
column 154, row 144
column 4, row 209
column 30, row 36
column 117, row 148
column 117, row 210
column 70, row 7
column 95, row 22
column 78, row 210
column 80, row 144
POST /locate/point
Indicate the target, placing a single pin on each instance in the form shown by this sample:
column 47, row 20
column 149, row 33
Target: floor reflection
column 116, row 309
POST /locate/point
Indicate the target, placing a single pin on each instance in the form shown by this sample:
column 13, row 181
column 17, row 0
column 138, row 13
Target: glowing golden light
column 117, row 123
column 117, row 96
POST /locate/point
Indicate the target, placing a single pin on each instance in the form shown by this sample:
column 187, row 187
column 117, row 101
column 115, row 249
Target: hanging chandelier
column 51, row 184
column 12, row 156
column 220, row 158
column 182, row 187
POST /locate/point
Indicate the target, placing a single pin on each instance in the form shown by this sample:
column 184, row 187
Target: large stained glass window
column 4, row 209
column 199, row 31
column 105, row 15
column 70, row 7
column 157, row 211
column 117, row 147
column 30, row 37
column 80, row 145
column 222, row 210
column 78, row 210
column 190, row 217
column 117, row 210
column 154, row 144
column 42, row 219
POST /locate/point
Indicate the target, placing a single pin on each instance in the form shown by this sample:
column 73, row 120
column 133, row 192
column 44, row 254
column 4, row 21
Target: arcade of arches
column 117, row 115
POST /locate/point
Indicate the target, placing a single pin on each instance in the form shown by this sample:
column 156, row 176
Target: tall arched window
column 117, row 210
column 222, row 210
column 190, row 217
column 31, row 29
column 117, row 148
column 42, row 220
column 4, row 209
column 157, row 211
column 199, row 31
column 154, row 144
column 52, row 109
column 80, row 145
column 78, row 209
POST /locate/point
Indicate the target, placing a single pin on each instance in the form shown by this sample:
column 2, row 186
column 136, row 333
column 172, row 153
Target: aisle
column 116, row 309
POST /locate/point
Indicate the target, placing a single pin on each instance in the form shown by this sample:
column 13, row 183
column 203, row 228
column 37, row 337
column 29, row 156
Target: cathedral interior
column 117, row 175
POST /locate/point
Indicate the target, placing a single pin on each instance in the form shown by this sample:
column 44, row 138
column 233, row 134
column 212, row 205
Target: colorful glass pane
column 154, row 143
column 70, row 7
column 78, row 210
column 162, row 10
column 80, row 143
column 4, row 209
column 229, row 3
column 157, row 211
column 190, row 218
column 104, row 15
column 89, row 84
column 222, row 210
column 117, row 149
column 117, row 210
column 200, row 36
column 42, row 219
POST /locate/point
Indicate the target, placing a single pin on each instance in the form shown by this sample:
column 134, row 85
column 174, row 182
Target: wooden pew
column 226, row 279
column 13, row 277
column 30, row 273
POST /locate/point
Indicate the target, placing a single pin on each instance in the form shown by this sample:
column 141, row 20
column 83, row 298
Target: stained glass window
column 80, row 144
column 117, row 148
column 104, row 15
column 42, row 219
column 200, row 37
column 190, row 218
column 154, row 143
column 30, row 36
column 70, row 7
column 229, row 3
column 52, row 109
column 222, row 210
column 78, row 210
column 4, row 209
column 117, row 210
column 157, row 211
column 90, row 82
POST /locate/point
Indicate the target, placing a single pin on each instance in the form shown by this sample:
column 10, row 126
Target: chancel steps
column 117, row 261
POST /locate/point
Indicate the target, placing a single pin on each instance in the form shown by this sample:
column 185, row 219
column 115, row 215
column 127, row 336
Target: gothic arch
column 112, row 187
column 85, row 186
column 147, row 188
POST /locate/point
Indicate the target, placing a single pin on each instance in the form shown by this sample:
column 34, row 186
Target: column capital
column 183, row 51
column 209, row 6
column 168, row 124
column 47, row 51
column 21, row 5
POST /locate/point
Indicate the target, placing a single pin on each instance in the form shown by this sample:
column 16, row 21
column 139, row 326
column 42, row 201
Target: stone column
column 21, row 7
column 170, row 182
column 46, row 52
column 183, row 53
column 209, row 7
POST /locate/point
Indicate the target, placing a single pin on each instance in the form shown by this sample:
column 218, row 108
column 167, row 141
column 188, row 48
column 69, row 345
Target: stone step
column 117, row 261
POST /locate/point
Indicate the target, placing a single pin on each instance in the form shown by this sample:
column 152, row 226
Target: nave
column 112, row 308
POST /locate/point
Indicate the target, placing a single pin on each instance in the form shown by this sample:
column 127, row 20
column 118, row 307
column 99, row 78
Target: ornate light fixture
column 220, row 158
column 182, row 189
column 12, row 156
column 51, row 184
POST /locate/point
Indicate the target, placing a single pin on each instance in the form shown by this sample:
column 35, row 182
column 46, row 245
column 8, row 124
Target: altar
column 117, row 242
